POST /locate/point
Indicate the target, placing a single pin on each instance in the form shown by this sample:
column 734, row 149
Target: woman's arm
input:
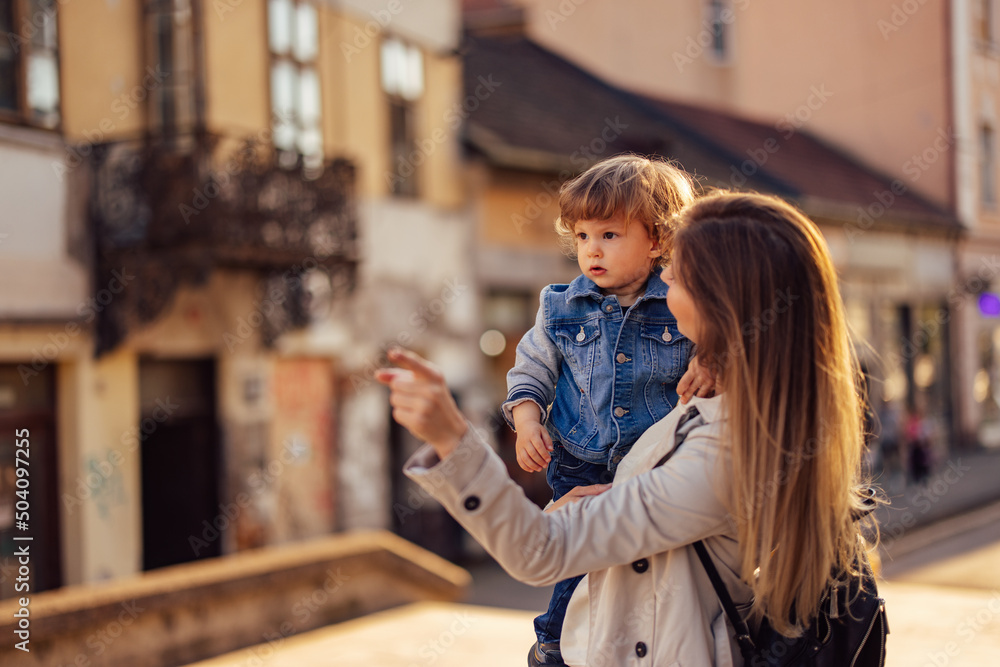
column 665, row 508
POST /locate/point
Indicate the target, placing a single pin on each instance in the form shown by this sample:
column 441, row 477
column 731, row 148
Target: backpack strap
column 743, row 638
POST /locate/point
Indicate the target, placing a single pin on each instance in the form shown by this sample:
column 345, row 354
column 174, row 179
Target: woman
column 764, row 478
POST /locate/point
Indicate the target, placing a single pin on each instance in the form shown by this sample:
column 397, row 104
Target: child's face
column 681, row 304
column 616, row 258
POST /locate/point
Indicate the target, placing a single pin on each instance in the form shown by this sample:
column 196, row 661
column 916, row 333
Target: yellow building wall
column 237, row 71
column 642, row 46
column 100, row 491
column 355, row 113
column 867, row 76
column 985, row 109
column 103, row 79
column 518, row 211
column 439, row 126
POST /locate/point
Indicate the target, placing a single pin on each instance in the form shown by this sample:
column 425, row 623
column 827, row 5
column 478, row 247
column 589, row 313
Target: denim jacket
column 608, row 373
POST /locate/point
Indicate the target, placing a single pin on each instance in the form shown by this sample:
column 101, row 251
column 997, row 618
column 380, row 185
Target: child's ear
column 655, row 248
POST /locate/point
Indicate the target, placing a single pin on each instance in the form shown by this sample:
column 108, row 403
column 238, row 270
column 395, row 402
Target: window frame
column 987, row 166
column 716, row 12
column 985, row 27
column 402, row 110
column 174, row 109
column 24, row 114
column 294, row 157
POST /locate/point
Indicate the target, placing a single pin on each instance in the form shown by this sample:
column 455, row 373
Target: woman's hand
column 576, row 494
column 421, row 401
column 697, row 381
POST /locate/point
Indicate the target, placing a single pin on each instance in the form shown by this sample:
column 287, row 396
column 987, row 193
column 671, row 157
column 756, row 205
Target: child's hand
column 534, row 447
column 697, row 381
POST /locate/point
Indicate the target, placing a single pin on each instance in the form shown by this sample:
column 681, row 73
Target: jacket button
column 620, row 412
column 608, row 308
column 666, row 335
column 621, row 358
column 471, row 503
column 640, row 650
column 640, row 565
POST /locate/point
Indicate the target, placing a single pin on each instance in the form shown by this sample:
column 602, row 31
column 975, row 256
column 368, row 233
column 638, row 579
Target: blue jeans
column 565, row 472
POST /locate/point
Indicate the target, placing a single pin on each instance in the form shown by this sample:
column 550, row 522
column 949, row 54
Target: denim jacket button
column 621, row 358
column 609, row 308
column 580, row 336
column 619, row 412
column 666, row 335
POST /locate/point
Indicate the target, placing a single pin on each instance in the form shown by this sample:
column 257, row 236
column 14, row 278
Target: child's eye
column 609, row 235
column 581, row 236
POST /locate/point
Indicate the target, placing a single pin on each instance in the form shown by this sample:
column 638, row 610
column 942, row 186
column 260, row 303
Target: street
column 943, row 593
column 941, row 585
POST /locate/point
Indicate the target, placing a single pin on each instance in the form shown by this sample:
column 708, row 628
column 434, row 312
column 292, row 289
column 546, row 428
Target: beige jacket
column 647, row 600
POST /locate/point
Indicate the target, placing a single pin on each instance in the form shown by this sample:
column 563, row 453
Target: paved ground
column 941, row 562
column 417, row 635
column 930, row 626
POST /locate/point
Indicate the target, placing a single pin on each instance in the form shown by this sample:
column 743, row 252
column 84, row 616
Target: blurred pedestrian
column 918, row 447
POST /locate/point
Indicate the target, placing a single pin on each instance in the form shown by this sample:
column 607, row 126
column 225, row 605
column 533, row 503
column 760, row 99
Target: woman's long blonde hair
column 773, row 328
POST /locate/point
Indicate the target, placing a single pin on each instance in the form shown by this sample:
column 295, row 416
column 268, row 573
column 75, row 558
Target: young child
column 605, row 352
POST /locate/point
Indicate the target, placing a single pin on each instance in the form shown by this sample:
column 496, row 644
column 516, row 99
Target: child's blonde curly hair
column 638, row 188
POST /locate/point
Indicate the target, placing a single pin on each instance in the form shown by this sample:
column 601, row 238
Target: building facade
column 218, row 215
column 881, row 83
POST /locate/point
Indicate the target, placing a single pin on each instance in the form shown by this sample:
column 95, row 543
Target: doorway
column 181, row 464
column 28, row 422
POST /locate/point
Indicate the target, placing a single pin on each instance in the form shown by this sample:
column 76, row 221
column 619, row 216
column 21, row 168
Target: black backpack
column 849, row 631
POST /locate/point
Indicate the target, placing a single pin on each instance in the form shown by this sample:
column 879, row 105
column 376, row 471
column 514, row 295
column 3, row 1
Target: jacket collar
column 711, row 409
column 585, row 287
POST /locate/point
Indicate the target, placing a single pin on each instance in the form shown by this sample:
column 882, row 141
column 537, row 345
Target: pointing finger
column 387, row 375
column 415, row 363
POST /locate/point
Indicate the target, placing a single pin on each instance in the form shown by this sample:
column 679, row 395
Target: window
column 293, row 37
column 29, row 62
column 987, row 166
column 719, row 17
column 984, row 22
column 170, row 80
column 403, row 84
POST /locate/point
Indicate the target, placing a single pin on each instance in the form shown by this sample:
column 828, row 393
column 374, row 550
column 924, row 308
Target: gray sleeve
column 536, row 368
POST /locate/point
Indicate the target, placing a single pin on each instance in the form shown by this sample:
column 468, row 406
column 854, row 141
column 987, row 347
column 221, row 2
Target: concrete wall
column 189, row 612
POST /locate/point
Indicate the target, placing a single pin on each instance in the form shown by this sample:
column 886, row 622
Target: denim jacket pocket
column 665, row 353
column 579, row 343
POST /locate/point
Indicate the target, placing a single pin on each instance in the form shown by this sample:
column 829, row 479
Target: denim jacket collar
column 583, row 286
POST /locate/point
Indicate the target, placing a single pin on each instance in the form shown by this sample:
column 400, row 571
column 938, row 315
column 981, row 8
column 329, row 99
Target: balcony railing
column 167, row 219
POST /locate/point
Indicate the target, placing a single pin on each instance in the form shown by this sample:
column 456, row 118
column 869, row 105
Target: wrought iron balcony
column 170, row 218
